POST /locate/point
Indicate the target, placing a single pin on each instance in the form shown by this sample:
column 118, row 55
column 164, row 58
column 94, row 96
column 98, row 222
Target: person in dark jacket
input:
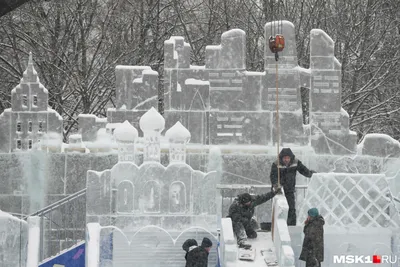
column 288, row 167
column 313, row 244
column 197, row 256
column 189, row 245
column 241, row 213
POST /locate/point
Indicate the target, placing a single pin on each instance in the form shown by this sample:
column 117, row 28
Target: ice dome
column 126, row 132
column 152, row 121
column 178, row 132
column 102, row 134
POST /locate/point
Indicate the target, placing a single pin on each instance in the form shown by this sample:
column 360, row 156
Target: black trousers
column 291, row 199
column 241, row 231
column 313, row 263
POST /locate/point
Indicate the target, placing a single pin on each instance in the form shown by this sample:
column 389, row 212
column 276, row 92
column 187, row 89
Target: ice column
column 178, row 136
column 33, row 241
column 125, row 135
column 76, row 144
column 93, row 245
column 152, row 124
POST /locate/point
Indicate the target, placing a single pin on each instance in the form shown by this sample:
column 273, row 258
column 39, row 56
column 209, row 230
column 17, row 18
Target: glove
column 277, row 189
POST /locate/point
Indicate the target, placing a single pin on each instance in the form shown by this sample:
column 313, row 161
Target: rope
column 277, row 122
column 277, row 105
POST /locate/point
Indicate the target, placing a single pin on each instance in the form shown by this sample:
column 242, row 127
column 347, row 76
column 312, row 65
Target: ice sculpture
column 329, row 122
column 347, row 199
column 13, row 241
column 136, row 93
column 125, row 135
column 178, row 136
column 75, row 144
column 152, row 124
column 220, row 104
column 33, row 242
column 166, row 203
column 360, row 215
column 29, row 117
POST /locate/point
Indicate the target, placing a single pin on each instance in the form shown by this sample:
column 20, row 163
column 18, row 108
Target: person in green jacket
column 312, row 251
column 241, row 213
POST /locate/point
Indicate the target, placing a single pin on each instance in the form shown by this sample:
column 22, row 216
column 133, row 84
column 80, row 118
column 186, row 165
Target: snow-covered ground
column 264, row 249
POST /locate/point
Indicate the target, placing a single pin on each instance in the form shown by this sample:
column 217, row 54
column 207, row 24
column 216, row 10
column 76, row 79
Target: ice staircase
column 145, row 247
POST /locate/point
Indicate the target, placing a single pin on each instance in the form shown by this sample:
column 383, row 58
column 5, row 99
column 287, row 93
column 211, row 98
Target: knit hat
column 244, row 198
column 206, row 243
column 188, row 243
column 313, row 212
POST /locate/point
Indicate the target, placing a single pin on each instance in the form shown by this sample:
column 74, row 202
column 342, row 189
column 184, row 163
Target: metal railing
column 62, row 224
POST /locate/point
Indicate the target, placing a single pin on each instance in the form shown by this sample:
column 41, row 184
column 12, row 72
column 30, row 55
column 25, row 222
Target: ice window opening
column 24, row 100
column 30, row 126
column 19, row 144
column 29, row 144
column 19, row 126
column 40, row 126
column 34, row 100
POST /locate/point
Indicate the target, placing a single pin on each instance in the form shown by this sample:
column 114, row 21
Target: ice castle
column 130, row 188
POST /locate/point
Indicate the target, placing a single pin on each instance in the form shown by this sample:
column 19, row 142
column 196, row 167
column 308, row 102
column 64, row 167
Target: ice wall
column 13, row 241
column 223, row 103
column 351, row 200
column 360, row 215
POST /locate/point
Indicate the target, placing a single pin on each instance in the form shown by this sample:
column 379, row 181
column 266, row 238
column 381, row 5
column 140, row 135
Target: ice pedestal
column 33, row 241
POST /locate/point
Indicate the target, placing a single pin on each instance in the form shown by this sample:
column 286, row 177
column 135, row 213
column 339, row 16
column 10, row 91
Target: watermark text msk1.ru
column 374, row 259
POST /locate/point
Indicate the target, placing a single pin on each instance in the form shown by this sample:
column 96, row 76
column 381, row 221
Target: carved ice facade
column 29, row 118
column 155, row 208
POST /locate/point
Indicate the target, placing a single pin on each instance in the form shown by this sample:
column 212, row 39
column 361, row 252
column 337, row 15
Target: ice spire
column 30, row 75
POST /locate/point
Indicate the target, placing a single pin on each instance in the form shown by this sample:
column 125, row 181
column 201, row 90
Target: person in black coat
column 241, row 213
column 197, row 256
column 313, row 244
column 188, row 245
column 288, row 167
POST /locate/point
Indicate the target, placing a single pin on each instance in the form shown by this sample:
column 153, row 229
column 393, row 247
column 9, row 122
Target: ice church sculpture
column 153, row 209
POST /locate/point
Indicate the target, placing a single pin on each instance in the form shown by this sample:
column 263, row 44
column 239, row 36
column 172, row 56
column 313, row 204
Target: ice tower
column 29, row 117
column 136, row 92
column 329, row 121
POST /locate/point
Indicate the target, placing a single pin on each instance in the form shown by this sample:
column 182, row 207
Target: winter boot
column 244, row 244
column 251, row 234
